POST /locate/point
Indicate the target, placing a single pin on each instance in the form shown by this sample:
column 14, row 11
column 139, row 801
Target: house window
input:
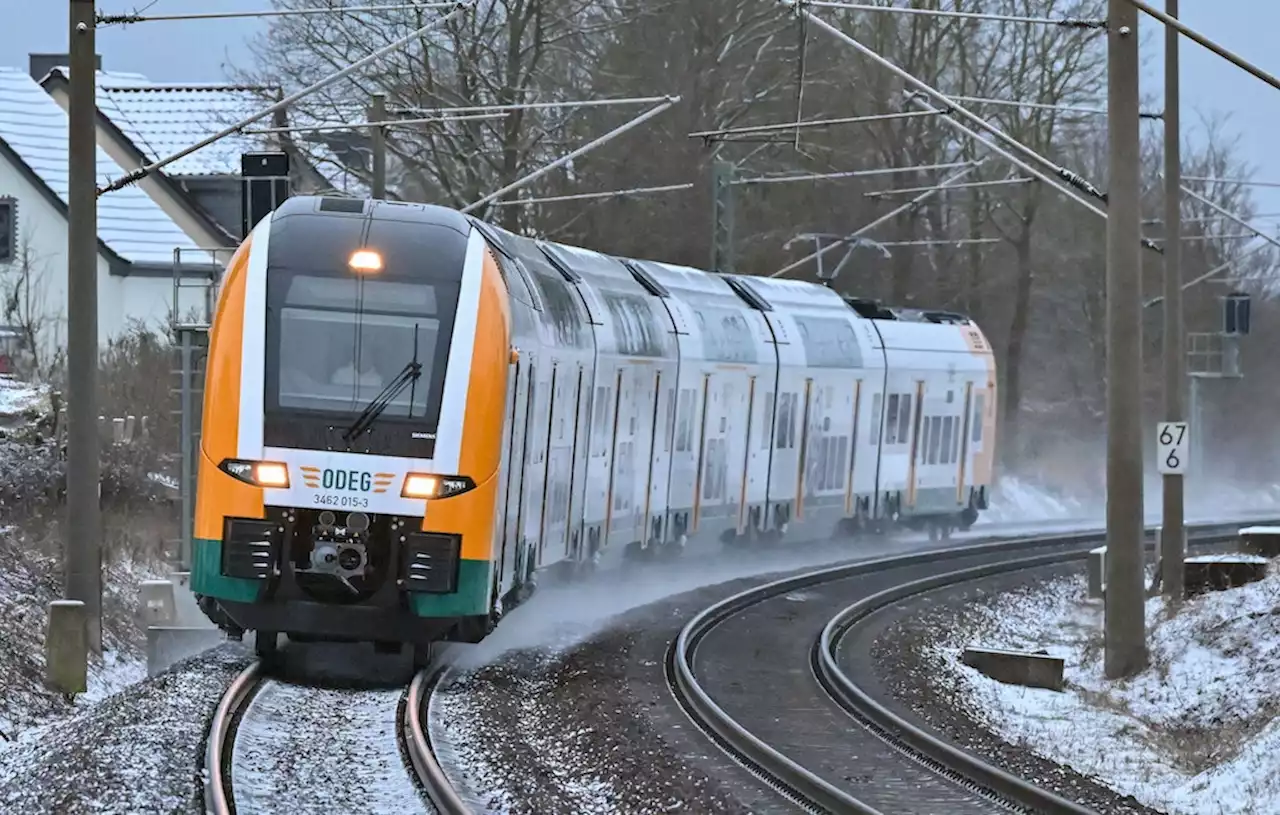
column 8, row 230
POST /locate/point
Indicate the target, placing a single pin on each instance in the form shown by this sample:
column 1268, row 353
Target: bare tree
column 23, row 296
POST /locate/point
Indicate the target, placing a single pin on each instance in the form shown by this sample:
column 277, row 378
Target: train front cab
column 303, row 527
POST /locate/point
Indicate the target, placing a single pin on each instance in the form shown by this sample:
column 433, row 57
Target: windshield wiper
column 379, row 403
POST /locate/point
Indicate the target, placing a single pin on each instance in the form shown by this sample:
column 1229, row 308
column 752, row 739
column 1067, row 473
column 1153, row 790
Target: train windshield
column 344, row 340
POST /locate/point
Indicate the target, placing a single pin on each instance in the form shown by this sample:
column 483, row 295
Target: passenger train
column 410, row 413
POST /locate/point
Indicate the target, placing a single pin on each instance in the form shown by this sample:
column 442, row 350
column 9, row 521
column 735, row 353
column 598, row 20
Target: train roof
column 760, row 293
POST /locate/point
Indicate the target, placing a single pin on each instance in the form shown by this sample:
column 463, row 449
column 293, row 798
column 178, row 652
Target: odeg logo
column 349, row 480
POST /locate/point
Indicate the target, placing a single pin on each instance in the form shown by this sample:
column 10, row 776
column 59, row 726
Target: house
column 137, row 238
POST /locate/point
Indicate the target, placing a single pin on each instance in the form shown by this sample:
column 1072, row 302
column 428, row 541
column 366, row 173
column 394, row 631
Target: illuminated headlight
column 365, row 260
column 423, row 485
column 272, row 474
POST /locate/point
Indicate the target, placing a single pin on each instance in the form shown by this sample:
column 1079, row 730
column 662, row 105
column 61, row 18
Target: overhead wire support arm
column 568, row 157
column 786, row 179
column 1212, row 273
column 948, row 106
column 1025, row 167
column 1230, row 216
column 130, row 19
column 1190, row 33
column 580, row 103
column 785, row 126
column 146, row 170
column 968, row 185
column 339, row 126
column 913, row 204
column 1065, row 22
column 587, row 196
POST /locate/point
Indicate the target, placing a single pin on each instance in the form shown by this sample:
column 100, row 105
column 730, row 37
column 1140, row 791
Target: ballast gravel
column 138, row 751
column 542, row 732
column 908, row 668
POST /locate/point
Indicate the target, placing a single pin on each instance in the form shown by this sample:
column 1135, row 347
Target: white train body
column 650, row 405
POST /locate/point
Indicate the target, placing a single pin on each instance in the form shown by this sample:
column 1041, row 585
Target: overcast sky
column 198, row 52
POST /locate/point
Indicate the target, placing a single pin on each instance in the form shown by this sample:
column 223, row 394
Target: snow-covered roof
column 161, row 120
column 34, row 127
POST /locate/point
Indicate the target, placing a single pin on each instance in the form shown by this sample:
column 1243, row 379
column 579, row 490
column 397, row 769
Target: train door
column 533, row 494
column 573, row 526
column 653, row 454
column 701, row 446
column 803, row 453
column 749, row 454
column 516, row 455
column 554, row 477
column 914, row 443
column 962, row 442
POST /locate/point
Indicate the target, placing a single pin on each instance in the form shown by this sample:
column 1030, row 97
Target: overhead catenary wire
column 144, row 171
column 1015, row 103
column 130, row 19
column 1192, row 34
column 949, row 106
column 909, row 205
column 1065, row 22
column 568, row 157
column 778, row 179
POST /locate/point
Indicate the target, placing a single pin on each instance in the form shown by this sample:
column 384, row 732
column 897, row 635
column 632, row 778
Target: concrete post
column 66, row 647
column 1126, row 651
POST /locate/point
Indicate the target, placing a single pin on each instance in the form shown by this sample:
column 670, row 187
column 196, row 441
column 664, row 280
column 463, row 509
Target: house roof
column 162, row 119
column 34, row 129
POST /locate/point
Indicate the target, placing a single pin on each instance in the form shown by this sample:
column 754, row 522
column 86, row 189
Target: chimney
column 39, row 65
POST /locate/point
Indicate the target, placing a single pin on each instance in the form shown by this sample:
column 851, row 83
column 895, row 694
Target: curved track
column 731, row 664
column 253, row 749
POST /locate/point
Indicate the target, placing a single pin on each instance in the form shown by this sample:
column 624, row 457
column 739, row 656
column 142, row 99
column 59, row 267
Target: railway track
column 298, row 748
column 731, row 664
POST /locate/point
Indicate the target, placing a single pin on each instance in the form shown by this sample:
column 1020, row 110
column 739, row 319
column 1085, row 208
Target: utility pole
column 83, row 552
column 1126, row 648
column 378, row 113
column 1172, row 531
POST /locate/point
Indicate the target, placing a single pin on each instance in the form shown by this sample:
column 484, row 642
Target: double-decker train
column 409, row 413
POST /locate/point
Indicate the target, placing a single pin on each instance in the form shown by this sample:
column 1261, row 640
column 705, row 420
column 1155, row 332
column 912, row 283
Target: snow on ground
column 1195, row 733
column 17, row 397
column 29, row 582
column 138, row 751
column 321, row 750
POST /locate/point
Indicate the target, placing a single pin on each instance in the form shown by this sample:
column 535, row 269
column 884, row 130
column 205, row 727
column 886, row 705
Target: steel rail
column 428, row 770
column 218, row 798
column 917, row 741
column 775, row 769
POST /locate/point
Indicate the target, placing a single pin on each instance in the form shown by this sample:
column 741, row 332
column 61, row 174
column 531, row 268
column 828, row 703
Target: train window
column 841, row 455
column 979, row 403
column 684, row 426
column 904, row 419
column 955, row 442
column 924, row 442
column 935, row 437
column 891, row 420
column 671, row 420
column 766, row 421
column 874, row 433
column 948, row 428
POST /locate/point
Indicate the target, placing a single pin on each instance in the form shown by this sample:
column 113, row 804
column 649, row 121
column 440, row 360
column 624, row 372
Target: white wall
column 44, row 228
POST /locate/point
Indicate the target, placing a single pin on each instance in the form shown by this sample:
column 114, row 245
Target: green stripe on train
column 471, row 598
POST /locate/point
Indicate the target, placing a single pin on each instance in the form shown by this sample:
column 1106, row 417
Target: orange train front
column 410, row 413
